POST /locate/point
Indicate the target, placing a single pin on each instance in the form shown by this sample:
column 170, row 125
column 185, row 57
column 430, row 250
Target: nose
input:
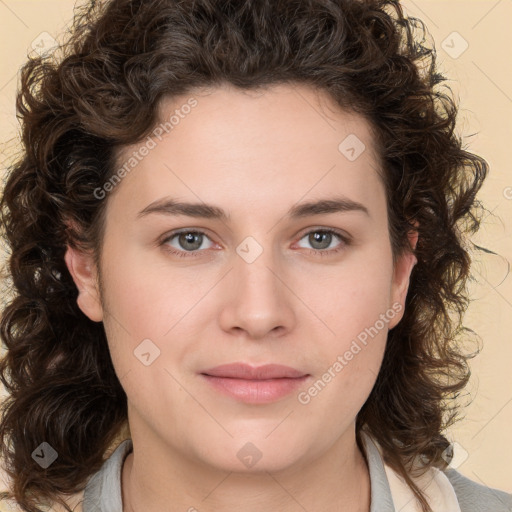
column 258, row 300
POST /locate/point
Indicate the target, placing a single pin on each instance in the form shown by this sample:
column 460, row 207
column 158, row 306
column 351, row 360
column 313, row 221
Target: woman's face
column 254, row 278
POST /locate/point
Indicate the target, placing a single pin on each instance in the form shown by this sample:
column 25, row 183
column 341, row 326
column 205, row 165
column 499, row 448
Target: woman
column 238, row 229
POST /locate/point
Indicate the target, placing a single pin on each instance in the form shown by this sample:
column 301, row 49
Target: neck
column 156, row 475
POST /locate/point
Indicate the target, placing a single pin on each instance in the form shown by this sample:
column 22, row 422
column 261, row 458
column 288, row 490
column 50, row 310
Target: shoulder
column 475, row 497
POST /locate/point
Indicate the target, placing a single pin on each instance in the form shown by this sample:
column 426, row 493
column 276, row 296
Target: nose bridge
column 258, row 302
column 254, row 271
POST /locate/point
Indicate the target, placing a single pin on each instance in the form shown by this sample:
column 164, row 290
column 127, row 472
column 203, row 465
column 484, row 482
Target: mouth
column 254, row 385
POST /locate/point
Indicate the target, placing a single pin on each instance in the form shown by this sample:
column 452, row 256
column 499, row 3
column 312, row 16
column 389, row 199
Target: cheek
column 151, row 310
column 148, row 297
column 349, row 301
column 340, row 389
column 355, row 315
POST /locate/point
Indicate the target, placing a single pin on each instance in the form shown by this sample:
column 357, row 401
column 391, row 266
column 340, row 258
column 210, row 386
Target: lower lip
column 255, row 391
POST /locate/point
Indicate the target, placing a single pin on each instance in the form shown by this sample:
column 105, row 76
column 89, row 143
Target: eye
column 321, row 239
column 187, row 241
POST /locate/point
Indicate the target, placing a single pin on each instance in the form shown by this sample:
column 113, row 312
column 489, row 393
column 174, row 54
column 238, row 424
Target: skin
column 254, row 154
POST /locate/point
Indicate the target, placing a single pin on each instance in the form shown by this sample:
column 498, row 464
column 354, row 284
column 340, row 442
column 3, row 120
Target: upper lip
column 248, row 372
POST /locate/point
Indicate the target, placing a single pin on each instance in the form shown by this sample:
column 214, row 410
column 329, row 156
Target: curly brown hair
column 102, row 92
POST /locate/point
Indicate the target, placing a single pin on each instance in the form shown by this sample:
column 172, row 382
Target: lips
column 245, row 371
column 254, row 385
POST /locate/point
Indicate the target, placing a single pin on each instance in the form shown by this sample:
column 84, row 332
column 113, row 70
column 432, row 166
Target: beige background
column 481, row 76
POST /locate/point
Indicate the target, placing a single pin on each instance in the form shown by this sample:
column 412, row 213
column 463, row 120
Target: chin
column 257, row 453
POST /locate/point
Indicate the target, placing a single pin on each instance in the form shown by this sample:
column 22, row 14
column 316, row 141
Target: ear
column 84, row 273
column 401, row 277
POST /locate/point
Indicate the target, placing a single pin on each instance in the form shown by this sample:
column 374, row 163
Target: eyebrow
column 169, row 206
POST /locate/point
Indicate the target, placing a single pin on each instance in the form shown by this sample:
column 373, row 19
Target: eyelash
column 192, row 254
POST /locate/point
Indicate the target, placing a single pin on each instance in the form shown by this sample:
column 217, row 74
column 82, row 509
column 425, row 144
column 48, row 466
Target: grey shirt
column 103, row 490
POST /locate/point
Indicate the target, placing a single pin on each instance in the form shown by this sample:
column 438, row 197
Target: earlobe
column 83, row 271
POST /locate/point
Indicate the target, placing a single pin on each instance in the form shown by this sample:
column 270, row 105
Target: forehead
column 253, row 147
column 287, row 114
